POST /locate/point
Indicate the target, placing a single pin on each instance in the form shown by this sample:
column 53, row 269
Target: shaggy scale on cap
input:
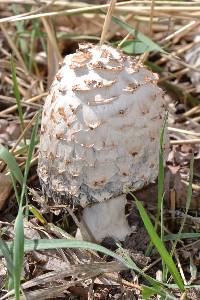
column 100, row 127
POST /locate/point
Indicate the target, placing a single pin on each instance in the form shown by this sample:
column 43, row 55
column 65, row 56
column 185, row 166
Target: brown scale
column 158, row 116
column 81, row 57
column 131, row 87
column 125, row 127
column 58, row 76
column 61, row 111
column 52, row 116
column 153, row 97
column 62, row 90
column 134, row 153
column 69, row 125
column 51, row 156
column 94, row 126
column 92, row 84
column 60, row 135
column 60, row 172
column 74, row 109
column 99, row 65
column 144, row 109
column 43, row 129
column 67, row 162
column 152, row 165
column 74, row 66
column 99, row 183
column 102, row 101
column 125, row 174
column 53, row 98
column 133, row 69
column 148, row 79
column 105, row 53
column 121, row 112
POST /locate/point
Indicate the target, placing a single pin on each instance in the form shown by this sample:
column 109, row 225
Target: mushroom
column 100, row 133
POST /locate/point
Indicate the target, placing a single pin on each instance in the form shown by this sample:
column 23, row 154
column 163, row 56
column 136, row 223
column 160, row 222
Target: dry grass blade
column 13, row 47
column 181, row 31
column 107, row 21
column 175, row 59
column 14, row 107
column 122, row 7
column 53, row 53
column 23, row 103
column 151, row 18
column 19, row 139
column 5, row 189
column 81, row 272
column 83, row 9
column 38, row 33
column 192, row 111
column 181, row 142
column 172, row 129
column 75, row 270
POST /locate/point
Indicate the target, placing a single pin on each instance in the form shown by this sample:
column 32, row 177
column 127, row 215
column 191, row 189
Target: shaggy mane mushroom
column 100, row 132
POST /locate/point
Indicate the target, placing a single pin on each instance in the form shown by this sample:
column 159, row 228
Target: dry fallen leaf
column 5, row 189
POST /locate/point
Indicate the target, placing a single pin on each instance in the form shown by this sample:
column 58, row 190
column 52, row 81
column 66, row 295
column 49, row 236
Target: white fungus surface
column 100, row 127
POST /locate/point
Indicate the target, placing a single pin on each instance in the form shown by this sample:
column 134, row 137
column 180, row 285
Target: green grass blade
column 15, row 188
column 30, row 154
column 160, row 185
column 18, row 248
column 147, row 292
column 159, row 245
column 9, row 159
column 161, row 173
column 8, row 258
column 37, row 214
column 17, row 94
column 188, row 201
column 148, row 43
column 180, row 236
column 45, row 244
column 132, row 47
column 22, row 41
column 18, row 251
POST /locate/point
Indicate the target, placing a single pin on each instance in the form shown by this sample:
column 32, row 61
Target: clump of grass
column 14, row 251
column 15, row 255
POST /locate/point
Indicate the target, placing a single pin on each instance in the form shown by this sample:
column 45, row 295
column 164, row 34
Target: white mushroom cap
column 100, row 127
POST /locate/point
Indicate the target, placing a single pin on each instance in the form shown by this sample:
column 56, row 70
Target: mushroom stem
column 106, row 219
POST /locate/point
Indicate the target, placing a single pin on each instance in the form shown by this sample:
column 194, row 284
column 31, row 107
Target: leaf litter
column 87, row 274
